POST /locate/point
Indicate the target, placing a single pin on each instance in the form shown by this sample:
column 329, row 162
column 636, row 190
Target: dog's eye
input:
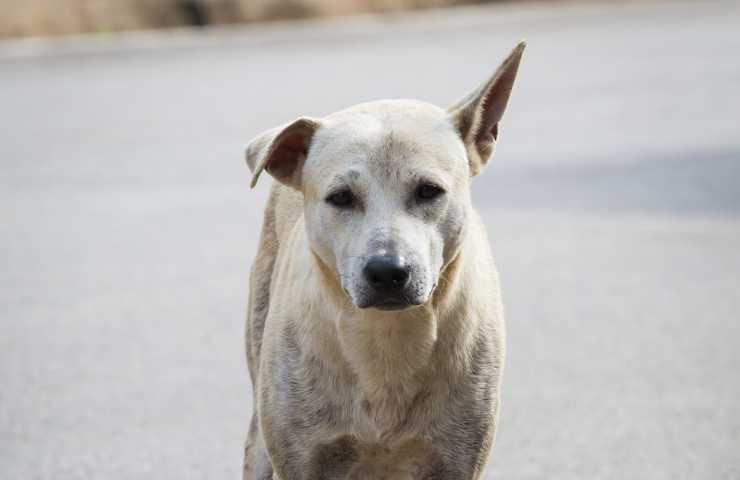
column 428, row 191
column 341, row 199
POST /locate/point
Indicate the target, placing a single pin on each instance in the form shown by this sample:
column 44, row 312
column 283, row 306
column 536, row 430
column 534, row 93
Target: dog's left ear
column 478, row 114
column 282, row 151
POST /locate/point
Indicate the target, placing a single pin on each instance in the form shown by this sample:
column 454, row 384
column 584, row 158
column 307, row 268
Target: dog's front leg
column 257, row 464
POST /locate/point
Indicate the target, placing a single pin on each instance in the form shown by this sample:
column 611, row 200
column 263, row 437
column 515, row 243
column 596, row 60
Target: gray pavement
column 127, row 229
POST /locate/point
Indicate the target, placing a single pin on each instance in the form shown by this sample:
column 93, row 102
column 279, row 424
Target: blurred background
column 59, row 17
column 127, row 226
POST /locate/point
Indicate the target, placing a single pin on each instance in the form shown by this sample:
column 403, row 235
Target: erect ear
column 282, row 151
column 478, row 114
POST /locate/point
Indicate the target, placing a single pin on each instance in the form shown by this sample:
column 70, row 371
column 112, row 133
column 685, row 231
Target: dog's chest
column 376, row 439
column 351, row 459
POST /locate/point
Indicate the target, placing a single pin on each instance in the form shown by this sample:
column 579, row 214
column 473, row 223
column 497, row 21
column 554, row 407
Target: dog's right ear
column 282, row 151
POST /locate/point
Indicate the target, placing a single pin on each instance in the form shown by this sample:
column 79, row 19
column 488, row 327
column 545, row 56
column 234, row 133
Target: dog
column 375, row 330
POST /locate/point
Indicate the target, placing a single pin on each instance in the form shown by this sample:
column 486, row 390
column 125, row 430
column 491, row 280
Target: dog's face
column 386, row 196
column 386, row 186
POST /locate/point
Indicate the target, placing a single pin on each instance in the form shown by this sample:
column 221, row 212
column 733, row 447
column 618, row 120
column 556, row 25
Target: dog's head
column 386, row 186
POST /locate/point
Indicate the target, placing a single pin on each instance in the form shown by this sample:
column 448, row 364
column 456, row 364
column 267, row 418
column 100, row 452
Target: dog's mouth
column 384, row 301
column 389, row 304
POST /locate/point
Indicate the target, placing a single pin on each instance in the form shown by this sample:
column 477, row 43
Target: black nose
column 386, row 273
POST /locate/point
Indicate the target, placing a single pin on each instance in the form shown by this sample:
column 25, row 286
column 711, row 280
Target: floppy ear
column 478, row 114
column 282, row 151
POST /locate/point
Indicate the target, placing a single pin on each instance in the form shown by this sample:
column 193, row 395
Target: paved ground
column 127, row 230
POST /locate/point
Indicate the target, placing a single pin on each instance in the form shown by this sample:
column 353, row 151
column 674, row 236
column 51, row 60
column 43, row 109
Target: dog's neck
column 393, row 355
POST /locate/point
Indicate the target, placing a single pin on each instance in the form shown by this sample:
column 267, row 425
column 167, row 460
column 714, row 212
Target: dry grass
column 61, row 17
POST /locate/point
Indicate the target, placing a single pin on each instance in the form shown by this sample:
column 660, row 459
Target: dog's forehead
column 387, row 133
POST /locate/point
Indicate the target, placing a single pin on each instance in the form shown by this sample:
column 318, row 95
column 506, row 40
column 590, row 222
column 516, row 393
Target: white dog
column 375, row 334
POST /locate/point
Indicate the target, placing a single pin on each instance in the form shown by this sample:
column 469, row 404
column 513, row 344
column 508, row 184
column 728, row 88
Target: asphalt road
column 127, row 229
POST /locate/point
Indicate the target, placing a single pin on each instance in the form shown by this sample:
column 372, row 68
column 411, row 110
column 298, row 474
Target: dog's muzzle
column 388, row 277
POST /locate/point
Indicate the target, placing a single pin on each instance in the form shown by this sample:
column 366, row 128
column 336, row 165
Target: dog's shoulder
column 283, row 208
